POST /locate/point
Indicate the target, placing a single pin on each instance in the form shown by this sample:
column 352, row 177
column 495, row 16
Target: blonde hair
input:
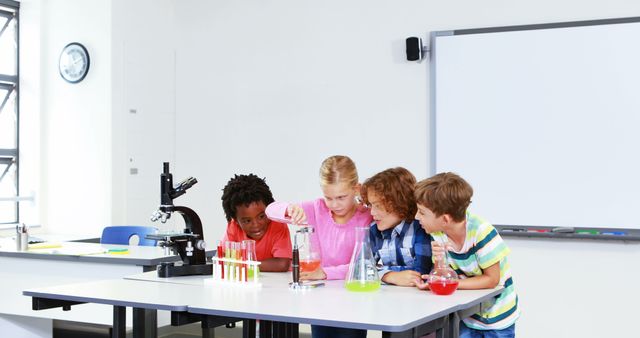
column 338, row 169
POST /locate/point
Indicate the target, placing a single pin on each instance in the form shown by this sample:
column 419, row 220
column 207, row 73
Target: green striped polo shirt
column 482, row 248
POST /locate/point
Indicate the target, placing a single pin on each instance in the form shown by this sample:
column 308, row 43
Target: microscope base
column 167, row 270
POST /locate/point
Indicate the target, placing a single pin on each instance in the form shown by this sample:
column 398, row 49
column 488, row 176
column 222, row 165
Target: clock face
column 74, row 62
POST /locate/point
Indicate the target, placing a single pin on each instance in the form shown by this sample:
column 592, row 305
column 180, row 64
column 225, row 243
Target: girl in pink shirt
column 334, row 217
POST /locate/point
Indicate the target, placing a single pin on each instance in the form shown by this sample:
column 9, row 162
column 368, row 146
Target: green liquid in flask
column 362, row 287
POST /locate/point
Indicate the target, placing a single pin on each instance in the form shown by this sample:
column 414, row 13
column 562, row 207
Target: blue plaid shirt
column 404, row 247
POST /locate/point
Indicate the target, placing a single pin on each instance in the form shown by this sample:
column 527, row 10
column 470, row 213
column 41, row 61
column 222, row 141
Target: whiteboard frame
column 515, row 230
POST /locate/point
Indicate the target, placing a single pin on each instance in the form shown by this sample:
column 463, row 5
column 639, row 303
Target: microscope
column 190, row 244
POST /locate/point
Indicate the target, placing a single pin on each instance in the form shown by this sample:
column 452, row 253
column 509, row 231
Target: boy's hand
column 296, row 213
column 422, row 284
column 318, row 274
column 402, row 278
column 439, row 250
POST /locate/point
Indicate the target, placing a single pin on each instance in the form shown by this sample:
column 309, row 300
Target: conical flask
column 363, row 274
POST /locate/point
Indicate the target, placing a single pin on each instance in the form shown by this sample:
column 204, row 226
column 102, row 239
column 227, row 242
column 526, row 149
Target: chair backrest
column 121, row 234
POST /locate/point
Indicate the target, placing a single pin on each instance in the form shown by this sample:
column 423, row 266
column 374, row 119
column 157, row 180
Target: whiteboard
column 543, row 121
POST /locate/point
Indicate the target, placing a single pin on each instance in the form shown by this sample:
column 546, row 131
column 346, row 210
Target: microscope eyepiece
column 182, row 187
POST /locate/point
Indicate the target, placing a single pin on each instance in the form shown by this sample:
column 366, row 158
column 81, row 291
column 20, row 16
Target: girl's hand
column 296, row 214
column 318, row 274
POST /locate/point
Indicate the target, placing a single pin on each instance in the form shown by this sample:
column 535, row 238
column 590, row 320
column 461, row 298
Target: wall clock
column 74, row 62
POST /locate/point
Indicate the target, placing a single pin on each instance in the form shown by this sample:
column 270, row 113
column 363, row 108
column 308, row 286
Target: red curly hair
column 395, row 187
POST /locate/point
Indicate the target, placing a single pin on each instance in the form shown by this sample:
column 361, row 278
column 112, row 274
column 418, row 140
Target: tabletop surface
column 90, row 252
column 139, row 294
column 391, row 308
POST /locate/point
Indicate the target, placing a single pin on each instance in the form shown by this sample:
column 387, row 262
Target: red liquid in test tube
column 221, row 255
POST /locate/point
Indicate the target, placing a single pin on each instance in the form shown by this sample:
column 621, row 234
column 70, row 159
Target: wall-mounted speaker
column 414, row 48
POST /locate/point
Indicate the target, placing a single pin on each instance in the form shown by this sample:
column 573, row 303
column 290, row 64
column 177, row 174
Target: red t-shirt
column 276, row 242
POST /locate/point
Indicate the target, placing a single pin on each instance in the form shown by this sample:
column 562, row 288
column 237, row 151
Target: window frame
column 11, row 10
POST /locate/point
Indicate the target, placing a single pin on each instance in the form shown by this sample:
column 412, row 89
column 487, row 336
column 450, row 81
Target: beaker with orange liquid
column 309, row 252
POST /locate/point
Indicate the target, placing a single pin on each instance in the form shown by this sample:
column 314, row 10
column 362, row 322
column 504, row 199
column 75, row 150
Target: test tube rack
column 237, row 271
column 235, row 263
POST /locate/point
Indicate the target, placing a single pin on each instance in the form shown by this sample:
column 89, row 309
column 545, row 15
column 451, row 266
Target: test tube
column 255, row 271
column 236, row 258
column 227, row 255
column 245, row 267
column 220, row 265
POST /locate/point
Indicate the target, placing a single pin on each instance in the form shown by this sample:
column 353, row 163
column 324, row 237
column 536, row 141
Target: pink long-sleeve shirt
column 336, row 240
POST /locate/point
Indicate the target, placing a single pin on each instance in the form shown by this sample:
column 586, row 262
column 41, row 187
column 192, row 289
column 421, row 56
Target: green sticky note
column 587, row 232
column 119, row 251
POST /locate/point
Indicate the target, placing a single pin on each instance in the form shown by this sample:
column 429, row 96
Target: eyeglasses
column 376, row 206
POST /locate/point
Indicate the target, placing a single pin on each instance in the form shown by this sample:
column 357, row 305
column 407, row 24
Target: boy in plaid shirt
column 400, row 246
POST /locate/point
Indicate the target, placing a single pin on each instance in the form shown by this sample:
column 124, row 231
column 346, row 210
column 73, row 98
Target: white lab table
column 397, row 311
column 63, row 263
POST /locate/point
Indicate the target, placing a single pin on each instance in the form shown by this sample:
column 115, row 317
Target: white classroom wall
column 196, row 73
column 73, row 146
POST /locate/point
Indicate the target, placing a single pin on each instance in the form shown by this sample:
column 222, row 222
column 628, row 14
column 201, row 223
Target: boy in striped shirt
column 476, row 252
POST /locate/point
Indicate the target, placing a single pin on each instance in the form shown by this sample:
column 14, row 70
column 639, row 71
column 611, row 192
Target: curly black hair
column 244, row 190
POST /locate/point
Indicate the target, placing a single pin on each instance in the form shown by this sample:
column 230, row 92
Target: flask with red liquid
column 443, row 280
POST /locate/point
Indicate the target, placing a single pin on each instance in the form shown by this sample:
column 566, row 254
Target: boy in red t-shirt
column 244, row 199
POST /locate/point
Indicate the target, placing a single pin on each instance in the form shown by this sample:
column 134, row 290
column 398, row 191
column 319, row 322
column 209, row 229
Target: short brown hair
column 445, row 193
column 395, row 188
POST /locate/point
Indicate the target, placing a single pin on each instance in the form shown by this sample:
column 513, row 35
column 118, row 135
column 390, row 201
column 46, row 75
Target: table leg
column 456, row 318
column 453, row 328
column 285, row 330
column 208, row 332
column 293, row 330
column 119, row 329
column 249, row 328
column 441, row 332
column 439, row 326
column 145, row 323
column 265, row 328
